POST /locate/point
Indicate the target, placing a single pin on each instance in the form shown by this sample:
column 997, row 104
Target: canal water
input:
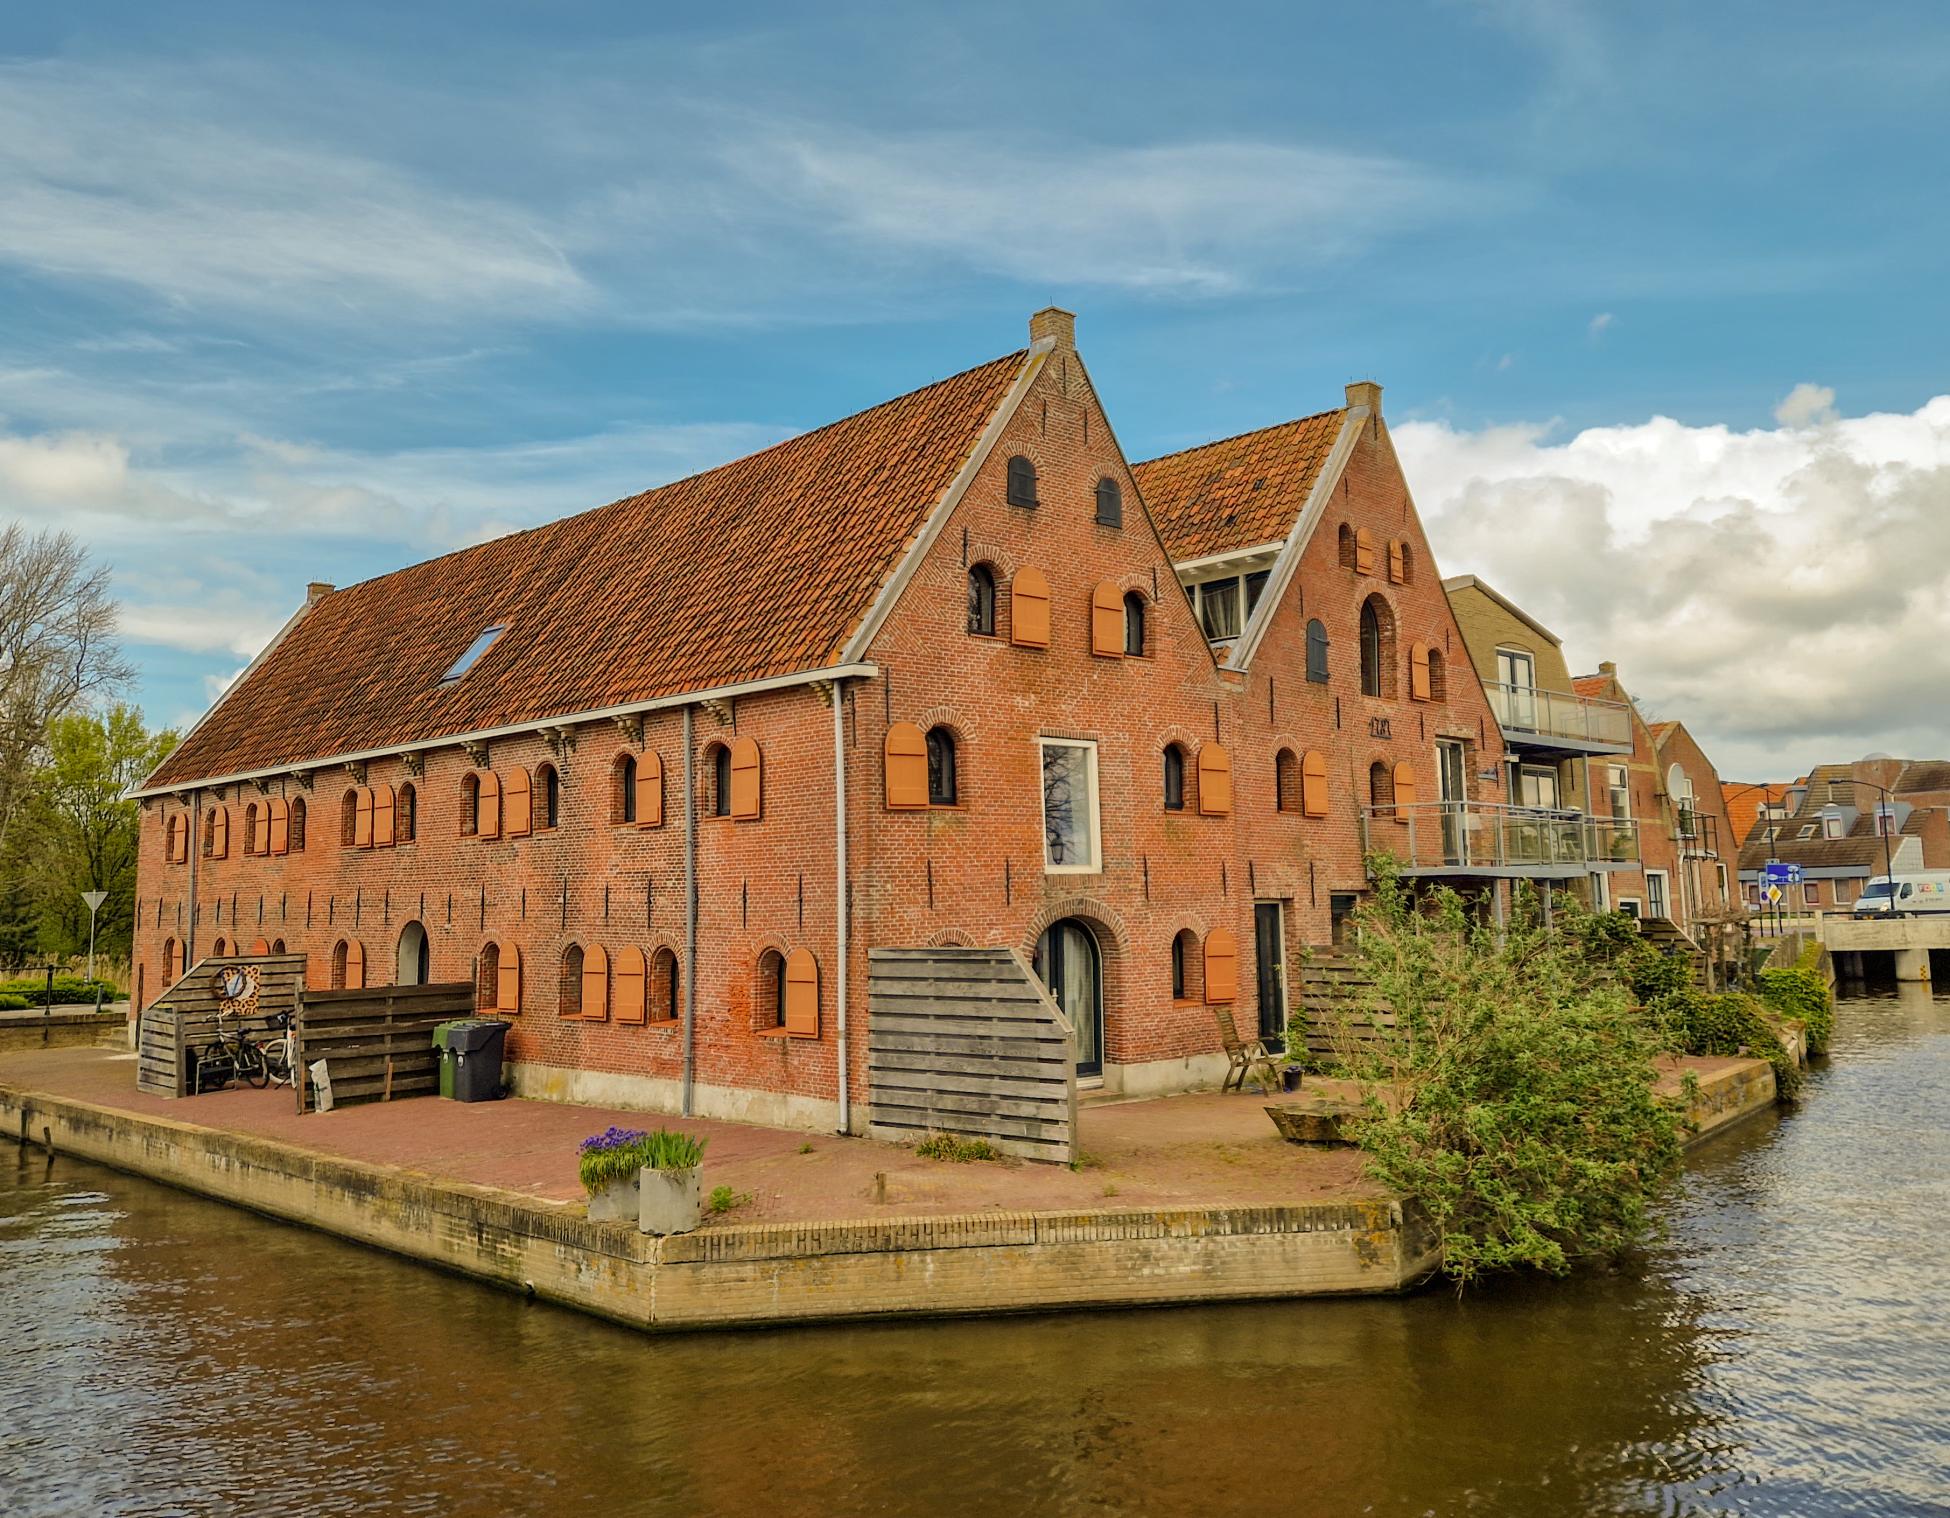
column 1785, row 1349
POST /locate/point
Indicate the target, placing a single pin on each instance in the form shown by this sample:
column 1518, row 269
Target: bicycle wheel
column 277, row 1060
column 250, row 1064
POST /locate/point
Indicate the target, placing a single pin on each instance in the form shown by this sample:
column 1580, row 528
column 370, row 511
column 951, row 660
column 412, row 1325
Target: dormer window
column 1110, row 503
column 1022, row 482
column 479, row 646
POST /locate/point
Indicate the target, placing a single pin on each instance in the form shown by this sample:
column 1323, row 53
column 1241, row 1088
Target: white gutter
column 839, row 910
column 512, row 729
column 1231, row 555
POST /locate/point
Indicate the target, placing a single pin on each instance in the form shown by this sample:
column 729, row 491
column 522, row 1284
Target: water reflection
column 1779, row 1353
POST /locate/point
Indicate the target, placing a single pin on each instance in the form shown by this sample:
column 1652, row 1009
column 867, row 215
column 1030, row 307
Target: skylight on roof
column 475, row 649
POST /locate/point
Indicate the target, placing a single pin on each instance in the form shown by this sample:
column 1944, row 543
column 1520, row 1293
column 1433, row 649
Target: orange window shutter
column 355, row 966
column 1313, row 784
column 1404, row 789
column 261, row 831
column 507, row 981
column 1364, row 551
column 262, row 946
column 280, row 825
column 628, row 988
column 595, row 984
column 802, row 994
column 1221, row 967
column 220, row 834
column 490, row 813
column 907, row 766
column 1418, row 672
column 747, row 780
column 385, row 817
column 518, row 803
column 1029, row 609
column 1107, row 621
column 1214, row 781
column 362, row 819
column 1397, row 564
column 649, row 793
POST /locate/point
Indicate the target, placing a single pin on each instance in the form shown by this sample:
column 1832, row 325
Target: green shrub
column 69, row 990
column 616, row 1154
column 1513, row 1094
column 1802, row 993
column 1699, row 1023
column 11, row 1003
column 723, row 1199
column 946, row 1146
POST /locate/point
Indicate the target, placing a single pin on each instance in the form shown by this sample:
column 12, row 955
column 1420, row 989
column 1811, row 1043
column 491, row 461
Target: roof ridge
column 1292, row 421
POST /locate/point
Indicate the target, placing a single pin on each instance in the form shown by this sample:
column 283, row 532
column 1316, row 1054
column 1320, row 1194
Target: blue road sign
column 1781, row 874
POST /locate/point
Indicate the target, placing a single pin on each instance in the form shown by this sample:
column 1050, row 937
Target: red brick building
column 657, row 776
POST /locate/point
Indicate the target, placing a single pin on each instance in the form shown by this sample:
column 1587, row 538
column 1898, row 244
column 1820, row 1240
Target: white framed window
column 1832, row 825
column 1218, row 608
column 1618, row 786
column 1534, row 785
column 1655, row 894
column 1071, row 822
column 1811, row 893
column 1721, row 871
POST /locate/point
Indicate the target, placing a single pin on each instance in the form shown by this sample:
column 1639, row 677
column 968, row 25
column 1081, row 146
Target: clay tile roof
column 1592, row 687
column 762, row 567
column 1924, row 775
column 1240, row 492
column 1662, row 731
column 1744, row 802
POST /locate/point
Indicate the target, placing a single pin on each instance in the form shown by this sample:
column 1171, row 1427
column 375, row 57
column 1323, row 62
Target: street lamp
column 94, row 900
column 1888, row 857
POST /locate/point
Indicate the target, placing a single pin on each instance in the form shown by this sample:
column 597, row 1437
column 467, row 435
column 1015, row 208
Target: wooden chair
column 1249, row 1056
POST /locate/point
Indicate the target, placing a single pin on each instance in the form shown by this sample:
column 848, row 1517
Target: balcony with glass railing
column 1454, row 838
column 1558, row 722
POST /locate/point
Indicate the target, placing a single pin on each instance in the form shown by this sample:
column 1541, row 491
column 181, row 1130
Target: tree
column 57, row 648
column 1508, row 1082
column 76, row 831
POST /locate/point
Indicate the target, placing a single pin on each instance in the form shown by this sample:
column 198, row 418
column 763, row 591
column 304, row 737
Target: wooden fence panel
column 184, row 1017
column 967, row 1041
column 376, row 1041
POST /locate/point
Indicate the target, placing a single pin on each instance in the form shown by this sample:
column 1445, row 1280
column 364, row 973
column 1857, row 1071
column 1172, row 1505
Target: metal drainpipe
column 840, row 913
column 690, row 914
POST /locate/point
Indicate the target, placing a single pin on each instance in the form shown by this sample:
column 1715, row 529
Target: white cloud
column 1599, row 325
column 1806, row 405
column 1786, row 593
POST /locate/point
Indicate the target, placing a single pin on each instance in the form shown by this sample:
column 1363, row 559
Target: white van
column 1917, row 891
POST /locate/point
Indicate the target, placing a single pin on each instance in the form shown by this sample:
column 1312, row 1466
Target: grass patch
column 723, row 1199
column 956, row 1150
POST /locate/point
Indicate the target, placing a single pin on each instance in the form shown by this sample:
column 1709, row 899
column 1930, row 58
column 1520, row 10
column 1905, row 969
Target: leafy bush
column 11, row 1003
column 1699, row 1023
column 69, row 990
column 946, row 1146
column 723, row 1199
column 616, row 1154
column 1513, row 1092
column 1802, row 993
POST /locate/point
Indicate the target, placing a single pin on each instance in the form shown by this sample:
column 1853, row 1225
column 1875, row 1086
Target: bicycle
column 234, row 1056
column 280, row 1051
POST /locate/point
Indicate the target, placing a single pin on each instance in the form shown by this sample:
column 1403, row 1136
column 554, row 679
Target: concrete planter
column 615, row 1203
column 669, row 1201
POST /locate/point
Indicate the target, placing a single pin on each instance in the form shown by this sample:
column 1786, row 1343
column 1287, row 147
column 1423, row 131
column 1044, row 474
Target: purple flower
column 611, row 1137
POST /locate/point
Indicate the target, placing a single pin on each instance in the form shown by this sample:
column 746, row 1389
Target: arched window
column 942, row 783
column 1346, row 546
column 720, row 780
column 210, row 832
column 487, row 976
column 1286, row 781
column 341, row 954
column 1174, row 778
column 622, row 806
column 297, row 824
column 406, row 814
column 663, row 987
column 1377, row 648
column 1022, row 482
column 1134, row 624
column 349, row 819
column 1110, row 503
column 172, row 962
column 1187, row 967
column 1438, row 677
column 569, row 994
column 497, row 986
column 220, row 948
column 1381, row 789
column 250, row 828
column 470, row 804
column 551, row 779
column 277, row 946
column 981, row 600
column 1401, row 564
column 1317, row 651
column 768, row 1004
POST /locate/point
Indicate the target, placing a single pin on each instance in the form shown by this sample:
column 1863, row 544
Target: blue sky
column 293, row 293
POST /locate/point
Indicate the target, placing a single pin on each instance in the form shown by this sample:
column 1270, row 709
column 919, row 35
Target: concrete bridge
column 1910, row 940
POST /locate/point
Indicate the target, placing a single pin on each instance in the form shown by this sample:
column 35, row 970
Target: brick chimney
column 1054, row 322
column 1365, row 393
column 1607, row 667
column 317, row 591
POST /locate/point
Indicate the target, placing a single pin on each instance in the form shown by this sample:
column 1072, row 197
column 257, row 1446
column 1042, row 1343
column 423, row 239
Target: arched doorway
column 1072, row 967
column 414, row 964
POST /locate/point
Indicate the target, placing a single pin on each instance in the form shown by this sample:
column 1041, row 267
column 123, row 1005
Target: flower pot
column 616, row 1202
column 669, row 1201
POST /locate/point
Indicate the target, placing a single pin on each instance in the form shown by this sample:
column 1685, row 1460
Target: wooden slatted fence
column 377, row 1042
column 967, row 1041
column 184, row 1017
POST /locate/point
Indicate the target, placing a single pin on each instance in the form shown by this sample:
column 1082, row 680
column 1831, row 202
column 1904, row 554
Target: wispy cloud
column 1599, row 325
